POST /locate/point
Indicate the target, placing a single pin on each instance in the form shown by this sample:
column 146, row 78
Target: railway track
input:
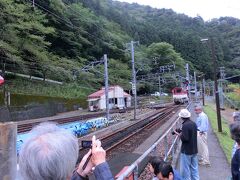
column 128, row 138
column 137, row 137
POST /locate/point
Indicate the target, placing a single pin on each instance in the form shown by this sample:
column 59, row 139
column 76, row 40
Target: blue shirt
column 202, row 122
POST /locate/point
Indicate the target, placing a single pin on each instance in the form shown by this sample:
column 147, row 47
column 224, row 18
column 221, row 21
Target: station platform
column 220, row 168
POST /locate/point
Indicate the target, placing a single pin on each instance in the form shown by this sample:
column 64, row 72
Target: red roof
column 101, row 92
column 97, row 94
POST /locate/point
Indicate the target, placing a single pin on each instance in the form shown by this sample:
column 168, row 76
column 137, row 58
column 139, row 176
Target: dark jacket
column 101, row 172
column 235, row 165
column 189, row 137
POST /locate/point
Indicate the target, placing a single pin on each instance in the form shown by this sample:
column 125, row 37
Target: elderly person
column 202, row 126
column 51, row 153
column 235, row 163
column 188, row 157
column 236, row 118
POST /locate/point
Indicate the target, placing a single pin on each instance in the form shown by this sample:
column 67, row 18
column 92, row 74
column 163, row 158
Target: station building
column 117, row 99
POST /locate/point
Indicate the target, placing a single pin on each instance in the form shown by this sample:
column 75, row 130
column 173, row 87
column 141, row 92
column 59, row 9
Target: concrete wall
column 32, row 111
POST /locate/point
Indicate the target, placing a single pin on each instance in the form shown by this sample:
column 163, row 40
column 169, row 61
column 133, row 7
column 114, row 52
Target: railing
column 133, row 168
column 229, row 102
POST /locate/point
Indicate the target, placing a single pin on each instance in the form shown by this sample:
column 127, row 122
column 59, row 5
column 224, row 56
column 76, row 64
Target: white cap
column 184, row 113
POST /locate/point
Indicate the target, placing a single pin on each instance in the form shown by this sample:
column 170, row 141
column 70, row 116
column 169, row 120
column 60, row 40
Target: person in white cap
column 188, row 157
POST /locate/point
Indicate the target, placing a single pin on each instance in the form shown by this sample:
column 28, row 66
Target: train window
column 178, row 90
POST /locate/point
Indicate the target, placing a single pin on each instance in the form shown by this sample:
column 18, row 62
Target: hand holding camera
column 98, row 153
column 95, row 156
column 177, row 131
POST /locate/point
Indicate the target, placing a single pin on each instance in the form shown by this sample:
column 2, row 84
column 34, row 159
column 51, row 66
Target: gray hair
column 236, row 116
column 49, row 154
column 235, row 131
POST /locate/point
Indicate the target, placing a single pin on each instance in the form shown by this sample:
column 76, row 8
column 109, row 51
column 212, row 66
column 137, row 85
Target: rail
column 133, row 168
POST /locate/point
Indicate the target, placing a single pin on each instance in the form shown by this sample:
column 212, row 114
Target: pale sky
column 207, row 9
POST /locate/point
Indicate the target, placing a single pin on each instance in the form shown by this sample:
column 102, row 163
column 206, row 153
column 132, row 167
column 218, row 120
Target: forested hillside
column 56, row 38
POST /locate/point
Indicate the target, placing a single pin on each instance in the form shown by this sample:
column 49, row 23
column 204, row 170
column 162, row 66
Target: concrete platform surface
column 220, row 168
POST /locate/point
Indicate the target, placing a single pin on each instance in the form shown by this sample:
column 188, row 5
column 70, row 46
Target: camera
column 177, row 130
column 86, row 144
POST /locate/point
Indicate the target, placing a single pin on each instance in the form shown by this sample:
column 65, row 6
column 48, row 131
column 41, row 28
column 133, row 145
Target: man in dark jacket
column 188, row 158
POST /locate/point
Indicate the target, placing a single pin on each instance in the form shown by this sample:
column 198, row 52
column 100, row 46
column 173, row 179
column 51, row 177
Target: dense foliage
column 57, row 38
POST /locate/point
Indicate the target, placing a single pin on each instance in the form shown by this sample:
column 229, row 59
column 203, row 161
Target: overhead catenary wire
column 68, row 24
column 68, row 5
column 55, row 15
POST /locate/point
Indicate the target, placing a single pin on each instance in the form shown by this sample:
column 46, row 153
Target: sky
column 207, row 9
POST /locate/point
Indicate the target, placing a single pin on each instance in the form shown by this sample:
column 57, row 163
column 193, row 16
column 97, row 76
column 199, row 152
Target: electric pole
column 188, row 79
column 106, row 84
column 216, row 87
column 222, row 77
column 215, row 83
column 93, row 64
column 203, row 90
column 195, row 86
column 134, row 91
column 159, row 85
column 134, row 87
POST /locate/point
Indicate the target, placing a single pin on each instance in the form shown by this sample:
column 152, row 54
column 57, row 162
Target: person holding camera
column 97, row 161
column 51, row 152
column 188, row 157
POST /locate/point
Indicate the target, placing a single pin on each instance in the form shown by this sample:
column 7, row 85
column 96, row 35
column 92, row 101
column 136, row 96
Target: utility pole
column 134, row 87
column 203, row 90
column 195, row 86
column 222, row 77
column 159, row 85
column 106, row 84
column 134, row 91
column 215, row 83
column 188, row 79
column 216, row 87
column 105, row 74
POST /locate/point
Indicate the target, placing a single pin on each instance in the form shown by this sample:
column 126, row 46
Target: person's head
column 165, row 171
column 235, row 132
column 154, row 162
column 236, row 116
column 50, row 153
column 184, row 114
column 198, row 109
